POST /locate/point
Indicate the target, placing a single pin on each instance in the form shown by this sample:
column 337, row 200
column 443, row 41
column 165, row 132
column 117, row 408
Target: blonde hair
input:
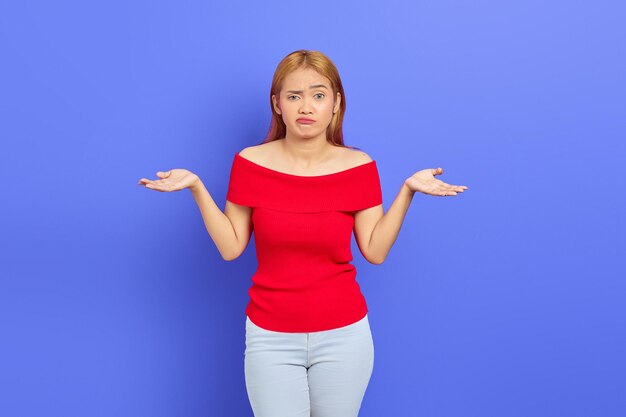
column 324, row 66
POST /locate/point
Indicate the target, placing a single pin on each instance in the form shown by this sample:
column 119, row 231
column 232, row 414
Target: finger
column 165, row 186
column 147, row 181
column 453, row 187
column 447, row 193
column 437, row 171
column 156, row 187
column 160, row 182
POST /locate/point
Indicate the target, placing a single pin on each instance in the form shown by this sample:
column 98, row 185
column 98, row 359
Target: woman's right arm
column 230, row 230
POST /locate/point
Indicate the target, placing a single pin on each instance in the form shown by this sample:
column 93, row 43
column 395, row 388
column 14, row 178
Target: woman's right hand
column 172, row 180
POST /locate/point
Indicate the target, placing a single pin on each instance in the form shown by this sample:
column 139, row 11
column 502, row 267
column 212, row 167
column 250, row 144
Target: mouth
column 305, row 121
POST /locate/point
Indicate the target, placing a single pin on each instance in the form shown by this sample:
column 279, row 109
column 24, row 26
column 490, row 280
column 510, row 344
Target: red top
column 302, row 226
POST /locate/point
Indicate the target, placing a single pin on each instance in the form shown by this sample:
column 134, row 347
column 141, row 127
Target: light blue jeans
column 317, row 374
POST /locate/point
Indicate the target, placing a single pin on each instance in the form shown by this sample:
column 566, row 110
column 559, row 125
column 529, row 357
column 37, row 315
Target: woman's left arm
column 376, row 232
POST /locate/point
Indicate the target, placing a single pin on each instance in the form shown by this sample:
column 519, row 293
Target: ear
column 337, row 103
column 276, row 108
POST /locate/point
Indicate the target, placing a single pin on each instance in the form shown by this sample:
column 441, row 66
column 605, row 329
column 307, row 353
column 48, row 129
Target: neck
column 306, row 151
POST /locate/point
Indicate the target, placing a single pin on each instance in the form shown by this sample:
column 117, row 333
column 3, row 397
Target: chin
column 308, row 135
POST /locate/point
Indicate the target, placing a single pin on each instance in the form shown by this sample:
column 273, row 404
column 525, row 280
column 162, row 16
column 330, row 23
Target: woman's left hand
column 425, row 182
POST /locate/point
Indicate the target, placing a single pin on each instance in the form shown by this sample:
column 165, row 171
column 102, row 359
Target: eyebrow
column 311, row 87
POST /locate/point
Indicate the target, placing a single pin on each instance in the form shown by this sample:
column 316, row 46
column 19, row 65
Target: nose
column 304, row 106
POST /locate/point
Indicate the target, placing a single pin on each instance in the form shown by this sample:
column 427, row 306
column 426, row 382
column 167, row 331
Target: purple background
column 507, row 300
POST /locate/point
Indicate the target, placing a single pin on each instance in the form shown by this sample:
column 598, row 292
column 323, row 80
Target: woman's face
column 306, row 94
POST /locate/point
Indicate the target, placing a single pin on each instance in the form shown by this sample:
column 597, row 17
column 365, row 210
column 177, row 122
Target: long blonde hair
column 324, row 66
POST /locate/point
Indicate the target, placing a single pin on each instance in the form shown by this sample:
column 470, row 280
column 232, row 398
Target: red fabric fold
column 353, row 189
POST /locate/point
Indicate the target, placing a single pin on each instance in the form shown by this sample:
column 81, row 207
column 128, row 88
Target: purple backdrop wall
column 506, row 300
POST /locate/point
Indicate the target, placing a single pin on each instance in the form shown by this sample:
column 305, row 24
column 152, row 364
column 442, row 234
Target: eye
column 320, row 95
column 290, row 97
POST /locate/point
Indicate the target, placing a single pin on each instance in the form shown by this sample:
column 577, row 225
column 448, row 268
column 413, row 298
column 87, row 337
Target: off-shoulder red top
column 302, row 227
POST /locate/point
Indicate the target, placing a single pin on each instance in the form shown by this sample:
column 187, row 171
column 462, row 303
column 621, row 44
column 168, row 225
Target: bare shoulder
column 250, row 151
column 246, row 152
column 257, row 153
column 357, row 157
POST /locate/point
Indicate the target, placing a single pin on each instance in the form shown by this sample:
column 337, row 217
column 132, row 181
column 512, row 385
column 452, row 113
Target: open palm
column 172, row 180
column 425, row 182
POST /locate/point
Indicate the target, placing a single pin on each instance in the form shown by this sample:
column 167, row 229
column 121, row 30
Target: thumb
column 164, row 174
column 437, row 171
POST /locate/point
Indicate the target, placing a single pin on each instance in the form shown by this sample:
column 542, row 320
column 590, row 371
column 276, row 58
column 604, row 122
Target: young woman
column 309, row 348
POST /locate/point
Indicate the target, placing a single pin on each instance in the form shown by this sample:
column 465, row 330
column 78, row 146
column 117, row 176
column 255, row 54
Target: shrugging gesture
column 425, row 182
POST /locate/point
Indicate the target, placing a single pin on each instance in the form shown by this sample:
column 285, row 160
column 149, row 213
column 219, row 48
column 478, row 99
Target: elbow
column 376, row 261
column 374, row 258
column 231, row 256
